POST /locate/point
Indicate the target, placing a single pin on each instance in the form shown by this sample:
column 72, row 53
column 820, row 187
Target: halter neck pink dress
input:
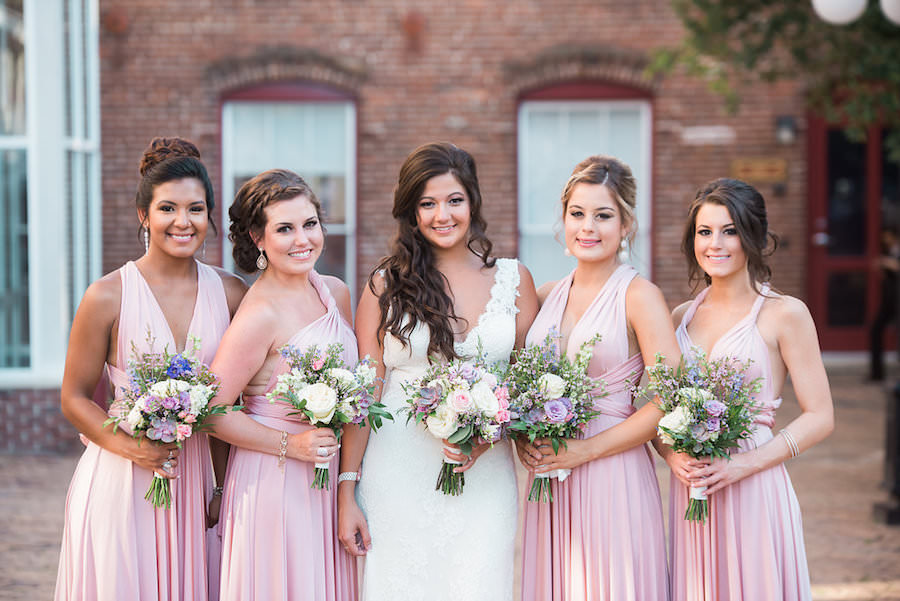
column 279, row 536
column 751, row 547
column 602, row 538
column 116, row 545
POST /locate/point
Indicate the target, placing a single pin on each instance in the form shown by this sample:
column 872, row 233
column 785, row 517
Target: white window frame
column 642, row 259
column 346, row 229
column 50, row 288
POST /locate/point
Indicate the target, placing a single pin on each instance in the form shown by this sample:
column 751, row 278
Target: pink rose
column 182, row 414
column 502, row 394
column 318, row 364
column 502, row 416
column 183, row 431
column 460, row 401
column 190, row 418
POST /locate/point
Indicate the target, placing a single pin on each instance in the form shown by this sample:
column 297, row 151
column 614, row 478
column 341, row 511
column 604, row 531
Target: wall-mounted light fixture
column 843, row 12
column 785, row 129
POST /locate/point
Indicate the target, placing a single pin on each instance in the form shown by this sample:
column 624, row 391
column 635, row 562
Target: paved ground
column 851, row 558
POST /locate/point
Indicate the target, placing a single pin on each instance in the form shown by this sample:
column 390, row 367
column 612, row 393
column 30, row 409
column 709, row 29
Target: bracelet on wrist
column 282, row 449
column 217, row 491
column 348, row 477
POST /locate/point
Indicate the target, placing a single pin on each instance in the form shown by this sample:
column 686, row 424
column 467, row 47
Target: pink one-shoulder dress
column 602, row 538
column 279, row 536
column 115, row 544
column 751, row 547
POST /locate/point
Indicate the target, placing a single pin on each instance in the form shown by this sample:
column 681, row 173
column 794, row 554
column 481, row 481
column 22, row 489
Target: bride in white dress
column 449, row 298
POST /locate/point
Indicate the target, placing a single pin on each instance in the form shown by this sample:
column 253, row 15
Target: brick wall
column 31, row 422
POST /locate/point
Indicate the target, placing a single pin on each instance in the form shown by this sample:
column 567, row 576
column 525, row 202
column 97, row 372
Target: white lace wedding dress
column 427, row 545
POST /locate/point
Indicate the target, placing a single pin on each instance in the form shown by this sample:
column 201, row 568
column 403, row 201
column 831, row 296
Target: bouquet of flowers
column 322, row 388
column 708, row 409
column 167, row 401
column 553, row 397
column 463, row 402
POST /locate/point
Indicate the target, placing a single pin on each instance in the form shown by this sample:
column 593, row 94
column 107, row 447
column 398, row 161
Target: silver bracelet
column 348, row 476
column 791, row 443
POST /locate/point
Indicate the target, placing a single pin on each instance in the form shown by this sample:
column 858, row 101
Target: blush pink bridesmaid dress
column 116, row 545
column 279, row 536
column 602, row 538
column 751, row 547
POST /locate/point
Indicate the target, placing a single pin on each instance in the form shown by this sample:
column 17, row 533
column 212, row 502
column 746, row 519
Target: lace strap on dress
column 505, row 289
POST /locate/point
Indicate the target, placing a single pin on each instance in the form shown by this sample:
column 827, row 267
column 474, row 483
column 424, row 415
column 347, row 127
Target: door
column 853, row 200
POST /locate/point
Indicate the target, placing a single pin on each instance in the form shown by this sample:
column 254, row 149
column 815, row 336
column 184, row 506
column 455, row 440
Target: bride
column 438, row 295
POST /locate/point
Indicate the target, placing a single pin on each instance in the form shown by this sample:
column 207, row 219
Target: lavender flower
column 179, row 366
column 556, row 411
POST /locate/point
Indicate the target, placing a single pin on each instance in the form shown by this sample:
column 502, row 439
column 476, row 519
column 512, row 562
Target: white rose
column 666, row 439
column 344, row 376
column 200, row 395
column 552, row 386
column 443, row 423
column 135, row 417
column 676, row 421
column 169, row 388
column 484, row 399
column 321, row 401
column 366, row 374
column 695, row 394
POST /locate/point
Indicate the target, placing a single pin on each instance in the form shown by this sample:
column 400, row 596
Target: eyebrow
column 729, row 224
column 451, row 195
column 603, row 208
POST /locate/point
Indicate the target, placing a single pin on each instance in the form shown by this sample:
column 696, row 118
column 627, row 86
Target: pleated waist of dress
column 614, row 396
column 275, row 415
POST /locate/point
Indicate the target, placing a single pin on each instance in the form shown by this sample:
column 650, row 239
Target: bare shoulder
column 341, row 293
column 235, row 287
column 785, row 312
column 544, row 291
column 103, row 297
column 256, row 312
column 643, row 294
column 375, row 284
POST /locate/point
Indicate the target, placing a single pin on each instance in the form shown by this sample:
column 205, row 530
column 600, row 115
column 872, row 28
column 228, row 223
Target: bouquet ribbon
column 560, row 475
column 447, row 459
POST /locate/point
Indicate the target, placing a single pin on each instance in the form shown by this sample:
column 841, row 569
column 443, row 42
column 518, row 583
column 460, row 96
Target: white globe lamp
column 840, row 12
column 891, row 10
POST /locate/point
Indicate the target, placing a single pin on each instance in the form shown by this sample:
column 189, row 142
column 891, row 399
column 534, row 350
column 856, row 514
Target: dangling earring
column 203, row 251
column 567, row 252
column 623, row 245
column 146, row 240
column 261, row 261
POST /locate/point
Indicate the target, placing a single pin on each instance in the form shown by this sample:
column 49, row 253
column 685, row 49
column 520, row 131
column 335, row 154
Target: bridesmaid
column 751, row 547
column 116, row 545
column 278, row 535
column 603, row 536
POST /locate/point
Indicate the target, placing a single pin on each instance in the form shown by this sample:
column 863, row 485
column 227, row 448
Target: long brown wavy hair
column 747, row 210
column 415, row 291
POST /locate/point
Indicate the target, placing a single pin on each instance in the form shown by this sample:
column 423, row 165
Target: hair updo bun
column 170, row 159
column 161, row 149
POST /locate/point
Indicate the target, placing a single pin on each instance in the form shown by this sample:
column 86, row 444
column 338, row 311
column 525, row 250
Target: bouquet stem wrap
column 698, row 506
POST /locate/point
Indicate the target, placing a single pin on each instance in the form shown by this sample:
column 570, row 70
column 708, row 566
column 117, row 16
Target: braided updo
column 247, row 212
column 170, row 159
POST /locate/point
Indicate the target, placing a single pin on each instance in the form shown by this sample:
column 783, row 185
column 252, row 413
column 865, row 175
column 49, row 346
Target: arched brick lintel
column 581, row 70
column 278, row 69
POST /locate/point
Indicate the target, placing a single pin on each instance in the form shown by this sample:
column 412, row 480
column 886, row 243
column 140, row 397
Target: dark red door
column 853, row 196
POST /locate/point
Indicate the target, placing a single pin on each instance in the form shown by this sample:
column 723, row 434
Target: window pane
column 544, row 257
column 12, row 68
column 847, row 299
column 846, row 195
column 14, row 331
column 333, row 259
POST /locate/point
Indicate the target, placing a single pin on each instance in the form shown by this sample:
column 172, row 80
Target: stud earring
column 261, row 261
column 146, row 240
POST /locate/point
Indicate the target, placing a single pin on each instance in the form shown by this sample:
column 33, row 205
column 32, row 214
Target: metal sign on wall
column 760, row 170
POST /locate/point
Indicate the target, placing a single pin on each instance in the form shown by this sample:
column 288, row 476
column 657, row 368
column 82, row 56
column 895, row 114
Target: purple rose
column 556, row 411
column 714, row 408
column 170, row 403
column 713, row 424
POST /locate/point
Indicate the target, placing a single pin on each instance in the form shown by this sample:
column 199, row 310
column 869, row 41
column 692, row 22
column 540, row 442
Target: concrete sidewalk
column 851, row 558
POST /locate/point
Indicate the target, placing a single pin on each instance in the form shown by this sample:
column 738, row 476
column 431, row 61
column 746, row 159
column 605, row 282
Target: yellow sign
column 760, row 170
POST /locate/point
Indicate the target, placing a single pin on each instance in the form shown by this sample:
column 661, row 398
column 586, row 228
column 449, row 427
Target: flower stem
column 320, row 479
column 450, row 482
column 159, row 493
column 540, row 491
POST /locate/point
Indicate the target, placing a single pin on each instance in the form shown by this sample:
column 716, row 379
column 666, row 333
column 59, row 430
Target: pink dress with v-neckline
column 602, row 538
column 279, row 536
column 116, row 545
column 751, row 547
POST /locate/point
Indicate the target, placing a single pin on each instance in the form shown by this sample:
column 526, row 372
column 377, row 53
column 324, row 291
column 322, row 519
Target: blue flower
column 178, row 367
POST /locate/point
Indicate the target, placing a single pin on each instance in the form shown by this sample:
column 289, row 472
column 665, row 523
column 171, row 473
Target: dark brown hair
column 616, row 176
column 414, row 290
column 747, row 210
column 170, row 159
column 248, row 214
